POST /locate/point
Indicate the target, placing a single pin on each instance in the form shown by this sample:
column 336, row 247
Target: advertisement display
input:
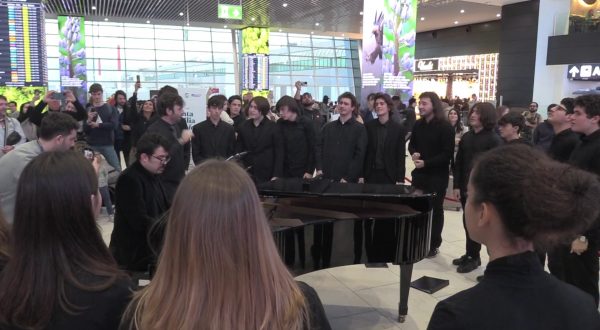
column 255, row 61
column 72, row 57
column 195, row 105
column 389, row 33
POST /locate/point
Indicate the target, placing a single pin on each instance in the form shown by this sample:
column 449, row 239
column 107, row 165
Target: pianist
column 518, row 197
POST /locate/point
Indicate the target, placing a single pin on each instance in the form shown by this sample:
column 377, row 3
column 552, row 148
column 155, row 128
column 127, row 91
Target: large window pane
column 299, row 40
column 222, row 46
column 140, row 54
column 198, row 46
column 200, row 77
column 224, row 67
column 224, row 79
column 196, row 34
column 325, row 43
column 138, row 33
column 162, row 32
column 108, row 42
column 277, row 39
column 223, row 57
column 170, row 66
column 170, row 55
column 139, row 43
column 140, row 65
column 169, row 44
column 104, row 64
column 198, row 57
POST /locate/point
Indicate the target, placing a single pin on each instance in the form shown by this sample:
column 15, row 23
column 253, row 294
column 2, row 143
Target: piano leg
column 405, row 277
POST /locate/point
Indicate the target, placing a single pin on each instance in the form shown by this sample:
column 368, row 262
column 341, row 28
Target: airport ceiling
column 332, row 17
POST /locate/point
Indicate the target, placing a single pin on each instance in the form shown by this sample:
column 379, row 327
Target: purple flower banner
column 72, row 57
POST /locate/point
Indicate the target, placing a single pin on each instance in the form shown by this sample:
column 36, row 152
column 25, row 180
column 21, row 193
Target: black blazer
column 140, row 201
column 299, row 140
column 265, row 149
column 394, row 150
column 211, row 141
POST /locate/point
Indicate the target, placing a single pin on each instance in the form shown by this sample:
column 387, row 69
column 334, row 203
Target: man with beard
column 141, row 200
column 310, row 109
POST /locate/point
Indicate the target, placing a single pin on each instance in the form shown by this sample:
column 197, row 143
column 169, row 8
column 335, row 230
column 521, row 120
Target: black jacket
column 470, row 146
column 516, row 293
column 542, row 136
column 394, row 149
column 435, row 142
column 175, row 169
column 299, row 140
column 265, row 149
column 125, row 118
column 341, row 150
column 140, row 201
column 35, row 114
column 139, row 124
column 238, row 120
column 563, row 144
column 104, row 135
column 212, row 141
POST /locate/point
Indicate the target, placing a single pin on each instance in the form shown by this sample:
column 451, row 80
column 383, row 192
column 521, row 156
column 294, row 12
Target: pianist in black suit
column 219, row 267
column 518, row 197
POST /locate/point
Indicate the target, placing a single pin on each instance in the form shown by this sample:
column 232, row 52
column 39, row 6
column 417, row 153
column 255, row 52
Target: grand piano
column 321, row 224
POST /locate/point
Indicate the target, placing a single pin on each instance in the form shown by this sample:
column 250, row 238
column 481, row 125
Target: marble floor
column 356, row 297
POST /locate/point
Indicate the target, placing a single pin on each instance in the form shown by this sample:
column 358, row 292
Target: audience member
column 299, row 139
column 532, row 120
column 219, row 268
column 141, row 200
column 11, row 133
column 100, row 126
column 341, row 146
column 213, row 137
column 564, row 140
column 261, row 138
column 479, row 139
column 369, row 112
column 53, row 103
column 410, row 116
column 139, row 121
column 123, row 131
column 170, row 109
column 459, row 130
column 519, row 198
column 60, row 275
column 103, row 170
column 431, row 147
column 57, row 133
column 543, row 133
column 309, row 109
column 511, row 125
column 12, row 112
column 235, row 111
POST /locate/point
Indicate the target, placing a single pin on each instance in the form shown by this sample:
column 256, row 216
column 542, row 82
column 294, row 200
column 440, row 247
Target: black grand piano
column 321, row 224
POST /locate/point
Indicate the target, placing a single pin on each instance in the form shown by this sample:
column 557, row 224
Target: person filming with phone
column 57, row 101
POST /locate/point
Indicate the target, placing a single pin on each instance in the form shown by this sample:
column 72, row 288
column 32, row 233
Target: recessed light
column 361, row 13
column 422, row 18
column 181, row 14
column 280, row 30
column 343, row 35
column 93, row 7
column 285, row 5
column 147, row 22
column 188, row 24
column 455, row 22
column 498, row 15
column 253, row 19
column 106, row 19
column 462, row 11
column 224, row 26
column 316, row 24
column 312, row 32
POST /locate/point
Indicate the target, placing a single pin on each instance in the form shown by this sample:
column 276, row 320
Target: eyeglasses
column 163, row 160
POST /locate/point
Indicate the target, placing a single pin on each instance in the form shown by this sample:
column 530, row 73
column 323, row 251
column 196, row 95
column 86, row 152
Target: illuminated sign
column 589, row 72
column 230, row 11
column 427, row 65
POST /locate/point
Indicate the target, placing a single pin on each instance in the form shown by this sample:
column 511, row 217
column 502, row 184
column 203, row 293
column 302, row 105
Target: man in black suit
column 141, row 200
column 384, row 164
column 213, row 137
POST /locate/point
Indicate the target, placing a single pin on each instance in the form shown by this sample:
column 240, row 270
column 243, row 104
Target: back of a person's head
column 537, row 199
column 219, row 267
column 55, row 124
column 515, row 118
column 55, row 239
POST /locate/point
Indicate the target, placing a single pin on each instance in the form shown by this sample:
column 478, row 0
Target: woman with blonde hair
column 219, row 267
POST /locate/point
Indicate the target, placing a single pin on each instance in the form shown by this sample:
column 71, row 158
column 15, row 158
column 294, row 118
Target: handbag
column 12, row 139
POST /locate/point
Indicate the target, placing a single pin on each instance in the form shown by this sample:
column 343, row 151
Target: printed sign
column 590, row 72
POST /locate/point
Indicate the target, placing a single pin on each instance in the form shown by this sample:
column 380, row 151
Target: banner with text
column 389, row 32
column 72, row 57
column 195, row 105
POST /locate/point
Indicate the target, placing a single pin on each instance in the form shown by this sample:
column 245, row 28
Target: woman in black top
column 519, row 198
column 60, row 274
column 219, row 267
column 139, row 121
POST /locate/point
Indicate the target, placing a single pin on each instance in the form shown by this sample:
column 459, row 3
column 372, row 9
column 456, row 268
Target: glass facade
column 203, row 58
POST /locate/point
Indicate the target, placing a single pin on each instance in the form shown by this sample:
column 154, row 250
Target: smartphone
column 304, row 83
column 214, row 90
column 58, row 96
column 137, row 79
column 88, row 153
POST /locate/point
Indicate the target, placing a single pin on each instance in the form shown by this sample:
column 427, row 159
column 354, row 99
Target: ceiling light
column 188, row 24
column 284, row 4
column 181, row 14
column 316, row 24
column 498, row 15
column 147, row 22
column 224, row 26
column 361, row 13
column 280, row 30
column 312, row 32
column 455, row 22
column 343, row 35
column 422, row 18
column 93, row 7
column 462, row 11
column 253, row 19
column 106, row 19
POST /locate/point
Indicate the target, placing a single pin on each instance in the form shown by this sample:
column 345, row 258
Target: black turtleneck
column 563, row 144
column 470, row 146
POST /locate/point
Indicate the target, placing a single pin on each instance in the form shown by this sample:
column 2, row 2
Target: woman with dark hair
column 60, row 274
column 235, row 111
column 481, row 138
column 299, row 140
column 519, row 198
column 458, row 127
column 139, row 121
column 261, row 138
column 219, row 267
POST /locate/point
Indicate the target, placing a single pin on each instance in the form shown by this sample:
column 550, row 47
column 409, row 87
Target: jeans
column 106, row 199
column 110, row 155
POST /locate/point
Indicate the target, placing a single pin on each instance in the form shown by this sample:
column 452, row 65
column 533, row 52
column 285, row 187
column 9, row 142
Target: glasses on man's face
column 559, row 108
column 162, row 159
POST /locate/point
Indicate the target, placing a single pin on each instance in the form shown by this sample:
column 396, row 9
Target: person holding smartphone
column 54, row 101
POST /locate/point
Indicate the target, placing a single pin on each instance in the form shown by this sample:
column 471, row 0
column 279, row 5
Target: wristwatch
column 582, row 239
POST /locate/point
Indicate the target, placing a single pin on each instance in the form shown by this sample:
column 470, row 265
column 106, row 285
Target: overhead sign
column 590, row 72
column 230, row 11
column 427, row 65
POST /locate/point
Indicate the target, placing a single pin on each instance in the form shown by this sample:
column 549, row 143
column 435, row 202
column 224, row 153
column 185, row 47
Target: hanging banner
column 195, row 105
column 72, row 57
column 389, row 32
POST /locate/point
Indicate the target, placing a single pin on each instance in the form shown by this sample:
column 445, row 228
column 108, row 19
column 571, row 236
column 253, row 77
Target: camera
column 88, row 153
